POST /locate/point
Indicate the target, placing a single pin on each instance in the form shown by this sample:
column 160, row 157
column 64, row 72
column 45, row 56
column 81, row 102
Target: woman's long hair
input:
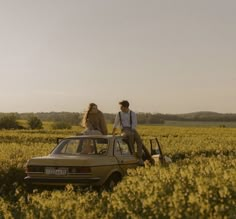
column 85, row 118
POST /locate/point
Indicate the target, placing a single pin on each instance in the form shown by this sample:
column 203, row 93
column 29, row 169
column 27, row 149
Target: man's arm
column 116, row 124
column 114, row 131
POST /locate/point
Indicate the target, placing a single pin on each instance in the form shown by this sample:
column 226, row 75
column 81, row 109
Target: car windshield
column 82, row 146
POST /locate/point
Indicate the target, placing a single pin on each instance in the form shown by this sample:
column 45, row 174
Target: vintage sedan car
column 86, row 160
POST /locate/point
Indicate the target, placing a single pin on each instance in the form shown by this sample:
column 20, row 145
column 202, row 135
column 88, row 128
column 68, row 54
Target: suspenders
column 130, row 119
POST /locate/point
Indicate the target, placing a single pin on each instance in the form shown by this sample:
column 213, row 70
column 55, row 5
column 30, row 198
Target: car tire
column 29, row 188
column 112, row 181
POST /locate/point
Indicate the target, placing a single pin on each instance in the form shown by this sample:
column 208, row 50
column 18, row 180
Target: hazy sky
column 167, row 56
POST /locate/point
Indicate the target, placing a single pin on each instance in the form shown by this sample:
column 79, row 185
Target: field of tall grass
column 199, row 183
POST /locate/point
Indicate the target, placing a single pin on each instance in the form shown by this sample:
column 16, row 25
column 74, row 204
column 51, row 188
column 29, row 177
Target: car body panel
column 68, row 164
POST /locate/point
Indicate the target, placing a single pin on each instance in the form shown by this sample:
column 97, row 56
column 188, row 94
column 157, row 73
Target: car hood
column 70, row 160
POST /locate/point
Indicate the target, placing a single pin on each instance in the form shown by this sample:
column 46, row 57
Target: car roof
column 95, row 137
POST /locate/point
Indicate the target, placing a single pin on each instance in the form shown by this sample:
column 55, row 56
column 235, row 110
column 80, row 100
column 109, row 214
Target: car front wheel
column 112, row 181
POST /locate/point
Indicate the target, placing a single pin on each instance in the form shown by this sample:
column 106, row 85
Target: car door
column 123, row 155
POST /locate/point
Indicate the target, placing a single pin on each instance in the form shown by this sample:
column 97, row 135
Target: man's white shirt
column 125, row 120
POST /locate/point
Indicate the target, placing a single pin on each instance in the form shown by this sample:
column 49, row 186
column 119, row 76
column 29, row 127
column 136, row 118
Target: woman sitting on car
column 94, row 121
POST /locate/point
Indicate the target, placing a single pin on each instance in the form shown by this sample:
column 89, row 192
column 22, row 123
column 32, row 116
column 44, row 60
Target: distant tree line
column 67, row 119
column 9, row 122
column 200, row 116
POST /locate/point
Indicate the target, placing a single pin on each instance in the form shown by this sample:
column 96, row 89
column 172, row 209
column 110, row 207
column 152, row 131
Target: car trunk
column 71, row 160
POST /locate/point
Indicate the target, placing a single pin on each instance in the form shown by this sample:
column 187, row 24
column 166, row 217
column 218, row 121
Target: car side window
column 121, row 148
column 84, row 146
column 71, row 147
column 88, row 147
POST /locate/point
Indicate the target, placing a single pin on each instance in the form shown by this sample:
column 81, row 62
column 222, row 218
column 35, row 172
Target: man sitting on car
column 127, row 121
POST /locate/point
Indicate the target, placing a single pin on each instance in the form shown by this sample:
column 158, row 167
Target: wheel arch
column 114, row 172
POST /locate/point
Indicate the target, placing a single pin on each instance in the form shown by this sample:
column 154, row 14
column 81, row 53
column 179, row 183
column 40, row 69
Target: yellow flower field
column 199, row 183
